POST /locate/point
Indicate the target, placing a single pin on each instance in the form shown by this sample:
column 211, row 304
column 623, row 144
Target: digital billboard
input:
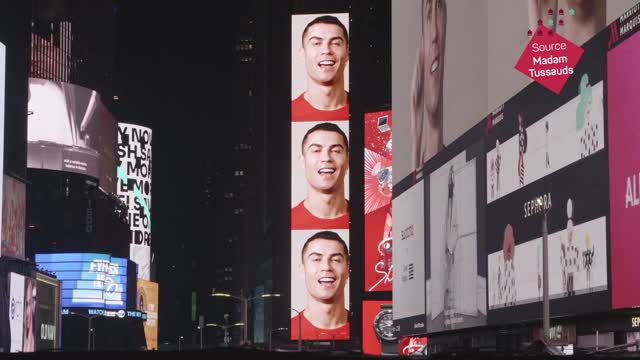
column 47, row 312
column 624, row 167
column 88, row 280
column 408, row 258
column 29, row 314
column 13, row 218
column 147, row 302
column 456, row 270
column 453, row 63
column 378, row 335
column 546, row 159
column 134, row 189
column 70, row 129
column 378, row 172
column 319, row 176
column 16, row 310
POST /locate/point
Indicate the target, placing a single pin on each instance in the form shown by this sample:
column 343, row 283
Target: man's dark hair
column 327, row 19
column 326, row 235
column 326, row 126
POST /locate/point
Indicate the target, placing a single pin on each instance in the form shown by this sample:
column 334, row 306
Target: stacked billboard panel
column 3, row 58
column 377, row 201
column 22, row 313
column 546, row 158
column 134, row 189
column 88, row 280
column 319, row 176
column 47, row 312
column 70, row 129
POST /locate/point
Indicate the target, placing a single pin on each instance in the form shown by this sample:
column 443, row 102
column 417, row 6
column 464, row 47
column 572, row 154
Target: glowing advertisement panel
column 13, row 218
column 546, row 170
column 456, row 276
column 377, row 328
column 88, row 280
column 3, row 57
column 409, row 303
column 29, row 314
column 16, row 311
column 319, row 176
column 147, row 302
column 624, row 169
column 453, row 63
column 134, row 189
column 70, row 129
column 378, row 172
column 48, row 301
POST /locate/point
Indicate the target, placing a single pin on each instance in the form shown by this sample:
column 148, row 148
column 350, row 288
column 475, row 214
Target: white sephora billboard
column 134, row 189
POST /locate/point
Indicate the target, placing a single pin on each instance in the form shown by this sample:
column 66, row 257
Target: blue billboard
column 88, row 280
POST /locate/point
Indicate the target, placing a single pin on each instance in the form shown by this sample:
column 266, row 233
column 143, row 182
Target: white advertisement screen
column 16, row 310
column 134, row 189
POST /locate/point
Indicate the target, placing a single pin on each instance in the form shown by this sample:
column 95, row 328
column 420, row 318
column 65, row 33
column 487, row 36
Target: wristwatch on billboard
column 383, row 327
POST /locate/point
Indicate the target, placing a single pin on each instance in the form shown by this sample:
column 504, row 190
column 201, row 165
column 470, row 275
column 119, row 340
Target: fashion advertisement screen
column 320, row 176
column 134, row 189
column 88, row 280
column 445, row 80
column 13, row 218
column 29, row 314
column 47, row 303
column 456, row 275
column 378, row 172
column 546, row 159
column 624, row 169
column 70, row 129
column 408, row 258
column 148, row 302
column 16, row 310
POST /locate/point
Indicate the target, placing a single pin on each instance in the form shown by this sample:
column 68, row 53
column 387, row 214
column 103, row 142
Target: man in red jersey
column 325, row 160
column 325, row 51
column 325, row 269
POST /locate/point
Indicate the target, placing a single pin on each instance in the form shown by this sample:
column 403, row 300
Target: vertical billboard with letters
column 134, row 189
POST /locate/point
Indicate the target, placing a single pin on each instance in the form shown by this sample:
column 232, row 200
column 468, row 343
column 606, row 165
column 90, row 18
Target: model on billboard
column 28, row 332
column 451, row 240
column 522, row 148
column 325, row 52
column 585, row 125
column 569, row 255
column 325, row 160
column 427, row 84
column 325, row 269
column 506, row 277
column 575, row 20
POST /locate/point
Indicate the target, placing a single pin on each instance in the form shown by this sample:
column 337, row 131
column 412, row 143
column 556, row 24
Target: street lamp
column 244, row 301
column 225, row 328
column 89, row 329
column 299, row 329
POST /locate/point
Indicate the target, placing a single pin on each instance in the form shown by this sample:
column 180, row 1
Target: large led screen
column 623, row 76
column 148, row 302
column 70, row 129
column 378, row 172
column 16, row 310
column 456, row 272
column 546, row 168
column 134, row 189
column 88, row 280
column 46, row 317
column 409, row 303
column 319, row 176
column 13, row 218
column 453, row 63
